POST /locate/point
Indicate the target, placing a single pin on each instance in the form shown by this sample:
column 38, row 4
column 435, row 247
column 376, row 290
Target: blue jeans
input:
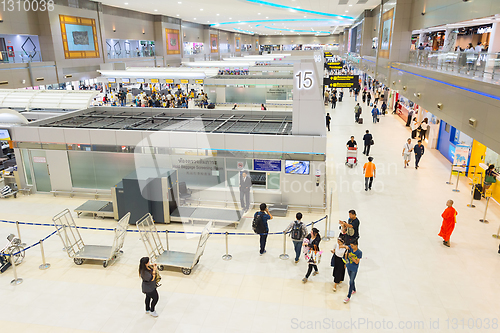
column 297, row 245
column 263, row 239
column 375, row 119
column 355, row 98
column 352, row 287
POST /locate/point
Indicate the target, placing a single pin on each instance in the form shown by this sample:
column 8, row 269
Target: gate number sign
column 305, row 79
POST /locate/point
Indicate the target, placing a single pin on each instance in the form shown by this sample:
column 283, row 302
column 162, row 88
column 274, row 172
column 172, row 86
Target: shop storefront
column 482, row 156
column 192, row 48
column 454, row 144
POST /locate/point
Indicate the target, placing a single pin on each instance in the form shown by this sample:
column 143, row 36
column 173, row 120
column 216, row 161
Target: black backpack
column 258, row 224
column 296, row 232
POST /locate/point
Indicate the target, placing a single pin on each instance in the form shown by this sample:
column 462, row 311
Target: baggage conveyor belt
column 96, row 208
column 202, row 214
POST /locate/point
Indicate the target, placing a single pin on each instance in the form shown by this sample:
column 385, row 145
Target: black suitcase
column 360, row 121
column 478, row 189
column 211, row 106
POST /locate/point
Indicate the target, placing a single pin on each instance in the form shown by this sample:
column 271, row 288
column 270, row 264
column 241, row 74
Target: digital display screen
column 297, row 167
column 110, row 80
column 139, row 80
column 125, row 80
column 4, row 135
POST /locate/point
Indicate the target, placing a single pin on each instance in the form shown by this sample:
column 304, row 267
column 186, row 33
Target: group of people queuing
column 345, row 255
column 169, row 99
column 331, row 97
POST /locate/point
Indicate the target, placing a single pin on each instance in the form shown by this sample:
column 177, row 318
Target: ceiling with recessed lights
column 262, row 17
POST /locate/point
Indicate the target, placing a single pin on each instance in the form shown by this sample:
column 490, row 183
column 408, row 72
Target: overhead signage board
column 169, row 80
column 341, row 81
column 334, row 65
column 125, row 80
column 139, row 80
column 199, row 81
column 155, row 80
column 267, row 165
column 328, row 54
column 184, row 81
column 111, row 80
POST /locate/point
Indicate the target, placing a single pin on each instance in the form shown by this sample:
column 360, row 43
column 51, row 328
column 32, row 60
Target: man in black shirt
column 419, row 151
column 352, row 143
column 328, row 119
column 353, row 223
column 367, row 139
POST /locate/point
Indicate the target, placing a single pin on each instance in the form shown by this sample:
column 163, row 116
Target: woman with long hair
column 313, row 253
column 148, row 272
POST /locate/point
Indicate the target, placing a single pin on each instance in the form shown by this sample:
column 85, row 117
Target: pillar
column 493, row 47
column 450, row 39
column 422, row 38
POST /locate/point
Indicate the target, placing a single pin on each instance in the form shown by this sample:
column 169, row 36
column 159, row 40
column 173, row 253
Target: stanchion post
column 497, row 235
column 484, row 220
column 19, row 233
column 471, row 205
column 166, row 236
column 44, row 264
column 227, row 256
column 456, row 187
column 284, row 256
column 451, row 174
column 326, row 238
column 16, row 280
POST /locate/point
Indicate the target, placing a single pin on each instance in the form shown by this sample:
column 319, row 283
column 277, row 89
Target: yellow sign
column 154, row 80
column 184, row 81
column 199, row 81
column 169, row 80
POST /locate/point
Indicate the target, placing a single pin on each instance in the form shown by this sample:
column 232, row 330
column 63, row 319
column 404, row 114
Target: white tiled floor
column 406, row 273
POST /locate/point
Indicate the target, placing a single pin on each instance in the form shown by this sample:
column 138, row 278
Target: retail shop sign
column 342, row 81
column 267, row 165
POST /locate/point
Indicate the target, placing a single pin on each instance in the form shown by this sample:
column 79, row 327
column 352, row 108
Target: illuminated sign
column 169, row 80
column 125, row 80
column 481, row 31
column 139, row 80
column 334, row 65
column 154, row 80
column 342, row 81
column 328, row 54
column 184, row 81
column 110, row 80
column 199, row 81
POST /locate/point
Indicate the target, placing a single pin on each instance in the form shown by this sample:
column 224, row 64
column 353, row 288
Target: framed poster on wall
column 173, row 41
column 214, row 43
column 385, row 43
column 79, row 37
column 238, row 40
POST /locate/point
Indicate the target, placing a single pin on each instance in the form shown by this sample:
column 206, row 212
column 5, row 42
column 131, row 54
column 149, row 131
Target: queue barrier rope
column 29, row 247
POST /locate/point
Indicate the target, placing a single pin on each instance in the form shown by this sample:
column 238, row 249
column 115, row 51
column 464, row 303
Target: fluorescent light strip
column 271, row 4
column 265, row 21
column 295, row 30
column 245, row 31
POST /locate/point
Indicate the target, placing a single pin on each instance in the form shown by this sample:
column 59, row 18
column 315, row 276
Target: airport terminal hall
column 237, row 166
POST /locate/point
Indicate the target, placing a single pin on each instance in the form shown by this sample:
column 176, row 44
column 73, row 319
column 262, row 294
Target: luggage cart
column 352, row 157
column 183, row 260
column 78, row 250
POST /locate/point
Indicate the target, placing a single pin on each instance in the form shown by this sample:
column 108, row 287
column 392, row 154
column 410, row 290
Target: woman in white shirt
column 338, row 264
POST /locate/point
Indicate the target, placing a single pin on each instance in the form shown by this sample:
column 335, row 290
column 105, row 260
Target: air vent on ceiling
column 343, row 2
column 362, row 2
column 40, row 78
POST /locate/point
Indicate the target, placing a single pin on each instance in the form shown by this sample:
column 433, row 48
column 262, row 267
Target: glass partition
column 26, row 163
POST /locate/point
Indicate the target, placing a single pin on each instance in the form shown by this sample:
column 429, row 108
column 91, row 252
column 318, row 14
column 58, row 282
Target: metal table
column 202, row 214
column 96, row 208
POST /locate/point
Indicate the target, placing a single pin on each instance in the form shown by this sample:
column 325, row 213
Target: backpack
column 258, row 224
column 296, row 232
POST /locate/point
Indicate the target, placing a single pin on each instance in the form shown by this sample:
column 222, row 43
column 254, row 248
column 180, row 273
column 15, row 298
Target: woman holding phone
column 148, row 274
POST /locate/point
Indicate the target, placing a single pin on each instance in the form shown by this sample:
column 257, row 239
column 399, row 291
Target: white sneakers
column 154, row 314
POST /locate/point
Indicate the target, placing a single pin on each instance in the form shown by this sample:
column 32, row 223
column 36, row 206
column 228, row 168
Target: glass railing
column 14, row 57
column 130, row 54
column 475, row 64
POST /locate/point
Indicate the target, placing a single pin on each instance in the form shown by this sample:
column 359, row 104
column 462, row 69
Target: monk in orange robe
column 449, row 220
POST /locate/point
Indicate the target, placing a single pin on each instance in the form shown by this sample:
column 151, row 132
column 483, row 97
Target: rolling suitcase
column 478, row 189
column 360, row 121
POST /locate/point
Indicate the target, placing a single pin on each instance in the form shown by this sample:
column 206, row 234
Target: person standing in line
column 419, row 151
column 407, row 152
column 148, row 273
column 334, row 101
column 265, row 216
column 367, row 139
column 354, row 256
column 328, row 119
column 313, row 245
column 375, row 113
column 298, row 232
column 449, row 220
column 356, row 113
column 338, row 264
column 490, row 177
column 396, row 105
column 414, row 128
column 369, row 170
column 408, row 120
column 423, row 129
column 245, row 185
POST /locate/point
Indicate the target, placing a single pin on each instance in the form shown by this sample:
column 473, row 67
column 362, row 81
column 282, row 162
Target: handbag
column 490, row 179
column 313, row 256
column 157, row 279
column 372, row 142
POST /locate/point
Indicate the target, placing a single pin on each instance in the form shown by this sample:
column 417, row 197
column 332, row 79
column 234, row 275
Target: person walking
column 327, row 97
column 245, row 186
column 356, row 93
column 352, row 143
column 383, row 107
column 368, row 98
column 351, row 228
column 328, row 119
column 419, row 151
column 375, row 114
column 423, row 129
column 354, row 256
column 312, row 244
column 357, row 112
column 334, row 101
column 363, row 97
column 265, row 216
column 368, row 141
column 407, row 152
column 369, row 170
column 298, row 232
column 341, row 94
column 148, row 273
column 449, row 220
column 338, row 264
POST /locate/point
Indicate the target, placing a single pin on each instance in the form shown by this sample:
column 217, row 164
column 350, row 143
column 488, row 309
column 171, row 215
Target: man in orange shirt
column 449, row 220
column 369, row 171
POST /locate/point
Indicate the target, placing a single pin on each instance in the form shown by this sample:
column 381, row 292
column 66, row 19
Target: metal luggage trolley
column 183, row 260
column 352, row 157
column 78, row 250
